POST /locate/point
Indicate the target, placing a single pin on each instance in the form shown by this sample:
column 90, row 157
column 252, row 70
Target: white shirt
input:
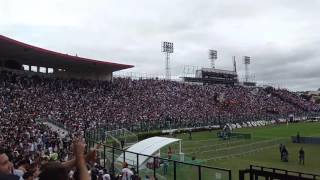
column 18, row 172
column 126, row 174
column 32, row 147
column 106, row 177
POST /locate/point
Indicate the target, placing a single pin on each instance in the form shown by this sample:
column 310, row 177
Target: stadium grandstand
column 80, row 95
column 18, row 56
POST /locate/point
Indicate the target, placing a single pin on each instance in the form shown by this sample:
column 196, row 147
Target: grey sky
column 281, row 36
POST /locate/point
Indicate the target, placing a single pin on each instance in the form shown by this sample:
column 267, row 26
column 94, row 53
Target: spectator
column 79, row 148
column 165, row 167
column 6, row 167
column 285, row 154
column 53, row 171
column 141, row 105
column 23, row 166
column 126, row 172
column 105, row 175
column 122, row 143
column 170, row 152
column 281, row 150
column 298, row 137
column 301, row 156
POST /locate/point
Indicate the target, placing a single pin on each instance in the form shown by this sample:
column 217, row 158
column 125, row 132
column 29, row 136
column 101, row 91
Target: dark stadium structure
column 214, row 76
column 15, row 54
column 259, row 172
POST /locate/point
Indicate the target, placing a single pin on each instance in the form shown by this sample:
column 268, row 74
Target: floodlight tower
column 247, row 60
column 167, row 48
column 234, row 64
column 213, row 56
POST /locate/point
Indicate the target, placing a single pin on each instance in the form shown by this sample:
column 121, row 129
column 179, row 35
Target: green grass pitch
column 262, row 149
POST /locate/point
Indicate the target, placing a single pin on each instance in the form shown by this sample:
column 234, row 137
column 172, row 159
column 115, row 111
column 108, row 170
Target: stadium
column 206, row 127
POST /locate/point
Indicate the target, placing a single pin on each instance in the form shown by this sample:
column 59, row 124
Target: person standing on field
column 301, row 156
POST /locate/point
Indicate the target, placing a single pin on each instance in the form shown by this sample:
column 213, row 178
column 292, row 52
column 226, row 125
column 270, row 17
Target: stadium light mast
column 247, row 60
column 213, row 56
column 167, row 48
column 234, row 64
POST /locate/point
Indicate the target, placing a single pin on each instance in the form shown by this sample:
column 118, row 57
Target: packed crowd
column 81, row 105
column 31, row 165
column 287, row 96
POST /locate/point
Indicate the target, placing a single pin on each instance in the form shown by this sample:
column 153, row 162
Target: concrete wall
column 306, row 140
column 66, row 75
column 102, row 76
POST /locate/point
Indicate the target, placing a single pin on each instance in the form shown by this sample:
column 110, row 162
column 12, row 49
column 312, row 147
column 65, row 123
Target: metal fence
column 213, row 121
column 162, row 168
column 260, row 172
column 146, row 126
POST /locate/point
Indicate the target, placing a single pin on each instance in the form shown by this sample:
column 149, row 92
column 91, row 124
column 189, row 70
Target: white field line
column 186, row 142
column 214, row 145
column 205, row 140
column 240, row 154
column 242, row 145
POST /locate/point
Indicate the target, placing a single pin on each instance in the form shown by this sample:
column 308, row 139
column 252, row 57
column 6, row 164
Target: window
column 42, row 69
column 25, row 67
column 50, row 70
column 34, row 68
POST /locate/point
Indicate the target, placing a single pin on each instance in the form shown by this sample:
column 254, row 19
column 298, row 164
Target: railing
column 147, row 126
column 273, row 173
column 56, row 123
column 214, row 121
column 112, row 158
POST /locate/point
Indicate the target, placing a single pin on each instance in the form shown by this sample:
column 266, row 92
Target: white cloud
column 280, row 35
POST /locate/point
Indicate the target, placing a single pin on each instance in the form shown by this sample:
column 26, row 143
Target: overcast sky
column 281, row 36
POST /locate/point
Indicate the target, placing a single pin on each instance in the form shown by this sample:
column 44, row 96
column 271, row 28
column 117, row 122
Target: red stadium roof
column 32, row 55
